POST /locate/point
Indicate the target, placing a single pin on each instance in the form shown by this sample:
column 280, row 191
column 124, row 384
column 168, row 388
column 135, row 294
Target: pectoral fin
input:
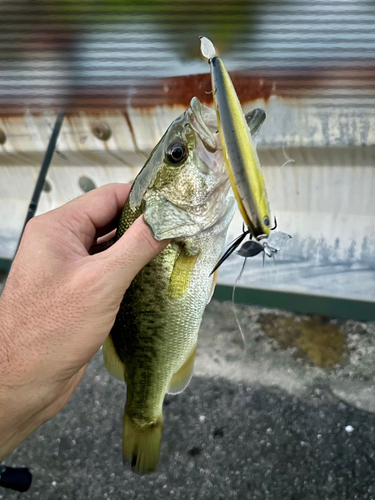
column 181, row 275
column 112, row 361
column 182, row 377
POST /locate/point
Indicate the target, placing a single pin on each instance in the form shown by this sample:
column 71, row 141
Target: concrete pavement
column 279, row 420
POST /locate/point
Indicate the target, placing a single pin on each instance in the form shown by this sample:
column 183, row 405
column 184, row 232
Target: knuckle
column 36, row 225
column 31, row 227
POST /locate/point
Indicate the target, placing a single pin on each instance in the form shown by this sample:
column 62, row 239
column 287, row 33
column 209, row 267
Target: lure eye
column 176, row 153
column 266, row 221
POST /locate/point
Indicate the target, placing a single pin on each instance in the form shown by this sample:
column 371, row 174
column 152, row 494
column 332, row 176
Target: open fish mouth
column 204, row 123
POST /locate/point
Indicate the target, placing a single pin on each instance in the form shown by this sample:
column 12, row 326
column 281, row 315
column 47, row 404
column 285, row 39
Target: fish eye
column 266, row 221
column 176, row 153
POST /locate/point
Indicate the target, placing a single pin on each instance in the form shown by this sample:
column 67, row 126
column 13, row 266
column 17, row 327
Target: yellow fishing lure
column 239, row 150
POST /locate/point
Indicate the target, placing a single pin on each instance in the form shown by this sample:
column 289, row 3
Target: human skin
column 59, row 305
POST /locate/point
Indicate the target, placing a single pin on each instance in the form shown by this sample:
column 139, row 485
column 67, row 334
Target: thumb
column 136, row 247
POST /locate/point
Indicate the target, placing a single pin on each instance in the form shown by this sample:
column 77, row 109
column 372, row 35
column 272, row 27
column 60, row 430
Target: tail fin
column 141, row 444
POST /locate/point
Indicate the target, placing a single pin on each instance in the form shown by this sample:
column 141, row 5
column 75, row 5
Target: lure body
column 239, row 150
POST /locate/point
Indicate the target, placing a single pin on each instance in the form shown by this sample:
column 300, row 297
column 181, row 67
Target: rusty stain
column 131, row 130
column 296, row 85
column 320, row 342
column 250, row 86
column 69, row 120
column 170, row 92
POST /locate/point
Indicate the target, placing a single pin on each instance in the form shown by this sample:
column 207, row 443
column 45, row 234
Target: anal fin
column 112, row 361
column 182, row 377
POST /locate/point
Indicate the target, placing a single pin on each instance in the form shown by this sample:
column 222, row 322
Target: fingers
column 106, row 237
column 134, row 250
column 103, row 243
column 94, row 213
column 108, row 229
column 102, row 205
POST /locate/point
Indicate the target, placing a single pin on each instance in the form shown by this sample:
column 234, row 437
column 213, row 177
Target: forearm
column 24, row 408
column 17, row 415
column 24, row 398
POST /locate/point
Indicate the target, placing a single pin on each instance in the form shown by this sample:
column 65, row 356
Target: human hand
column 59, row 305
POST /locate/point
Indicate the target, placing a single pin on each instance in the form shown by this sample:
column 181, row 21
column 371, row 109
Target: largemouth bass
column 184, row 194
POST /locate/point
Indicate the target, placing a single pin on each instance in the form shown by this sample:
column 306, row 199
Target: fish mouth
column 204, row 123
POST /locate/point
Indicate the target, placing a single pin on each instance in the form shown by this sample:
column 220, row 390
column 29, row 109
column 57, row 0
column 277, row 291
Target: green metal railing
column 302, row 303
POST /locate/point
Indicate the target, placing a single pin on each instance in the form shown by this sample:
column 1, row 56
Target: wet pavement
column 289, row 417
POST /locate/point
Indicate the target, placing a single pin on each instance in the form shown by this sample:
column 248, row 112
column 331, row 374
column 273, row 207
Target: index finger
column 85, row 215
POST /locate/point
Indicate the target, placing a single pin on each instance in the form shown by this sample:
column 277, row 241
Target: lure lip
column 207, row 48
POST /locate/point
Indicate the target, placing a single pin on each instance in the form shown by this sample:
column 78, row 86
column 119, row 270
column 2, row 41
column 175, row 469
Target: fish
column 184, row 194
column 239, row 149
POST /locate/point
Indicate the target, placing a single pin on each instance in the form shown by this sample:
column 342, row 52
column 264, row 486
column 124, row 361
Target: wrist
column 19, row 412
column 15, row 424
